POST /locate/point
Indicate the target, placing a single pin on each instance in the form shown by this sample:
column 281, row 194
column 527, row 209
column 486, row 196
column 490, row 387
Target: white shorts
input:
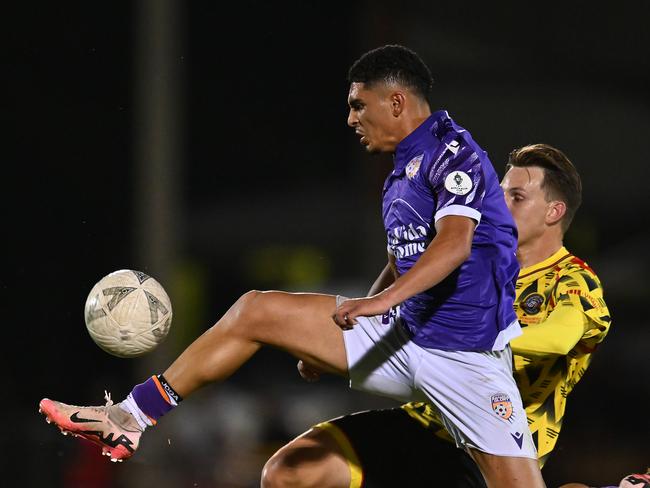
column 474, row 392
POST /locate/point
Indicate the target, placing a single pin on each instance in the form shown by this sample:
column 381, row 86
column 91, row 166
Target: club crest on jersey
column 413, row 166
column 458, row 183
column 532, row 304
column 502, row 406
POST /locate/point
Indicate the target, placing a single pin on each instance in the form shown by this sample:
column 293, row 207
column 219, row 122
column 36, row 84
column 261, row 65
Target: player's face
column 371, row 117
column 527, row 201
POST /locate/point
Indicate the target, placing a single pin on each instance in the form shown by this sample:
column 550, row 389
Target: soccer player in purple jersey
column 439, row 333
column 560, row 302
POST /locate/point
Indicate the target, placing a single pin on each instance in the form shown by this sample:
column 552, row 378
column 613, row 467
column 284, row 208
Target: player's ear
column 555, row 211
column 397, row 100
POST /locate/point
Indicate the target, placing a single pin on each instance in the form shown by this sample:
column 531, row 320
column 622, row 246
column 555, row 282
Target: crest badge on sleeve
column 458, row 183
column 413, row 166
column 502, row 406
column 532, row 304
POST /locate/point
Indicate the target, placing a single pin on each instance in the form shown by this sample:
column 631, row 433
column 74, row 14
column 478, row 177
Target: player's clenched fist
column 347, row 312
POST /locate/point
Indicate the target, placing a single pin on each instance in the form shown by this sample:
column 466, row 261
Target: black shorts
column 396, row 451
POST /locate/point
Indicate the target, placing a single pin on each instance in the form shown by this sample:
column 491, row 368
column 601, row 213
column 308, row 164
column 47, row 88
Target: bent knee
column 250, row 315
column 247, row 308
column 313, row 460
column 281, row 472
column 248, row 298
column 256, row 306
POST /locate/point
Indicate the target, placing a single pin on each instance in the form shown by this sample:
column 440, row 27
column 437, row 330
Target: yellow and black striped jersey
column 559, row 303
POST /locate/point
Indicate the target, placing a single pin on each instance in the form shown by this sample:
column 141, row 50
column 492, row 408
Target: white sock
column 129, row 405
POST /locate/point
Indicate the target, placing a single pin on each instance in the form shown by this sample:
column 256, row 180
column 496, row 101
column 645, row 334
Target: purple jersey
column 439, row 171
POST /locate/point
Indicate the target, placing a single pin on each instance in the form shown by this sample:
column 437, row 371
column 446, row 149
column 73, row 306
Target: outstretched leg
column 299, row 323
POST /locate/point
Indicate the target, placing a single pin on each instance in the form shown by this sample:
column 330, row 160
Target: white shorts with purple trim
column 474, row 392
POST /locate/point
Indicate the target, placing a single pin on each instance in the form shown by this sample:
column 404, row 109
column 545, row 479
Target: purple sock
column 155, row 397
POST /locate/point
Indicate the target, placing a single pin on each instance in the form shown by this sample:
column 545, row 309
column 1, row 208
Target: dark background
column 205, row 143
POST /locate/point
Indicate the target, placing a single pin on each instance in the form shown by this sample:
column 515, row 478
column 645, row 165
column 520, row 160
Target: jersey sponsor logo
column 458, row 183
column 407, row 241
column 532, row 304
column 413, row 166
column 502, row 406
column 407, row 231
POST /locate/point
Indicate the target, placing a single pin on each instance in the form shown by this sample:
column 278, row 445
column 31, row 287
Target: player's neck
column 416, row 118
column 537, row 251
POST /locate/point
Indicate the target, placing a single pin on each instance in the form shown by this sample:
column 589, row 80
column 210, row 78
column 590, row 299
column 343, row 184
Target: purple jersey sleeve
column 458, row 181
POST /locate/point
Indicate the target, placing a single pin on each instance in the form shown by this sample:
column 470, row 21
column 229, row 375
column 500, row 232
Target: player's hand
column 346, row 313
column 308, row 373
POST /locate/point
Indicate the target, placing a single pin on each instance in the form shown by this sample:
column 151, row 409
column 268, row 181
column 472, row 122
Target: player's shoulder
column 450, row 140
column 451, row 152
column 577, row 269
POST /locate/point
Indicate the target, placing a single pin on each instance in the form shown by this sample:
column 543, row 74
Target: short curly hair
column 393, row 64
column 561, row 178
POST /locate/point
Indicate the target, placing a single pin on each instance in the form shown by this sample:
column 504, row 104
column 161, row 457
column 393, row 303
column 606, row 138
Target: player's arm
column 386, row 277
column 456, row 216
column 450, row 247
column 580, row 314
column 558, row 334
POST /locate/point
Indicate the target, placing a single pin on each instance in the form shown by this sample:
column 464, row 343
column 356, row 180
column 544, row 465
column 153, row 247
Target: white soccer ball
column 128, row 313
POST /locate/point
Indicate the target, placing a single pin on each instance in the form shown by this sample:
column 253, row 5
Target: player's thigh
column 478, row 401
column 301, row 324
column 389, row 448
column 312, row 459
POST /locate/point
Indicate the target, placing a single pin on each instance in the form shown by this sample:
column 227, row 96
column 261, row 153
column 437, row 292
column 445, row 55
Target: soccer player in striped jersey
column 559, row 303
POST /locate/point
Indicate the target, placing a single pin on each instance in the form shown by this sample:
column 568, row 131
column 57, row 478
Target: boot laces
column 107, row 397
